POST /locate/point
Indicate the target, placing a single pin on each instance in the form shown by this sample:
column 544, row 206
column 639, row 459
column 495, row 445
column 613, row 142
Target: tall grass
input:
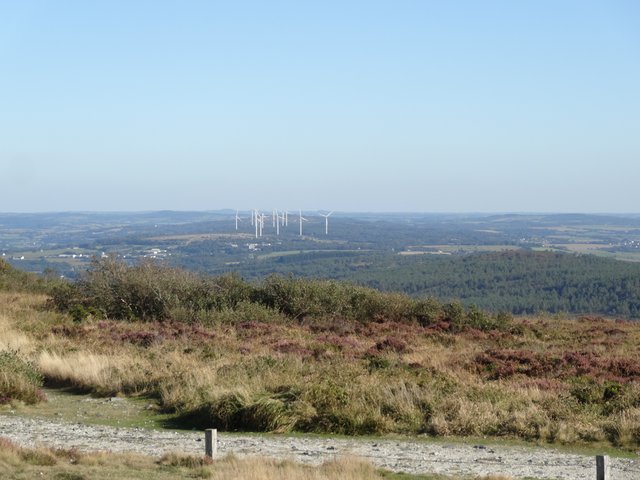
column 102, row 374
column 18, row 463
column 19, row 379
column 288, row 355
column 11, row 339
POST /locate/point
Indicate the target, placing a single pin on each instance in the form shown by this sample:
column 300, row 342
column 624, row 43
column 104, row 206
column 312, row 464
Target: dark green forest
column 520, row 282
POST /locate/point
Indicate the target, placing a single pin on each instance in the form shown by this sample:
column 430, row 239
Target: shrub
column 150, row 291
column 426, row 311
column 300, row 298
column 19, row 380
column 65, row 296
column 458, row 319
column 375, row 362
column 453, row 313
column 12, row 279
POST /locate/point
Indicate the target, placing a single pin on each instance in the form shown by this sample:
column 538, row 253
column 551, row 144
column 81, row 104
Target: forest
column 520, row 282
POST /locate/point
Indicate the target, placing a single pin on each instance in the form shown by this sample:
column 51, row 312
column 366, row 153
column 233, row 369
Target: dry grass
column 20, row 463
column 104, row 374
column 270, row 469
column 52, row 464
column 18, row 378
column 11, row 339
column 18, row 302
column 547, row 380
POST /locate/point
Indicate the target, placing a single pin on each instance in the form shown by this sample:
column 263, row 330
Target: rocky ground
column 396, row 455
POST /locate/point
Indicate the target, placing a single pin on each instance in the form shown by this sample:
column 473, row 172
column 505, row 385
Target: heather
column 289, row 355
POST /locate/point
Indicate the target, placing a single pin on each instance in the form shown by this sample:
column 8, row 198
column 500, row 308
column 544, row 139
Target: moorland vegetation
column 289, row 354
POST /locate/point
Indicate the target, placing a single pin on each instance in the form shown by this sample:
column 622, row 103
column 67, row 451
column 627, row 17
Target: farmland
column 417, row 254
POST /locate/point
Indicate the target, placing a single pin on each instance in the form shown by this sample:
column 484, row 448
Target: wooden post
column 602, row 467
column 210, row 442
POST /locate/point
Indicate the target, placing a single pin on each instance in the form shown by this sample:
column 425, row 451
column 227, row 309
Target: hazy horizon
column 493, row 107
column 231, row 211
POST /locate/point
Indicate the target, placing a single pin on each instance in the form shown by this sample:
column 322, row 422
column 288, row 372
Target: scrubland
column 309, row 356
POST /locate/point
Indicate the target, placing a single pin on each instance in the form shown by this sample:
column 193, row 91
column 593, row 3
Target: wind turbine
column 326, row 222
column 302, row 219
column 237, row 219
column 254, row 220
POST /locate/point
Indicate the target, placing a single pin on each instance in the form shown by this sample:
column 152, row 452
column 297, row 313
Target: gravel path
column 396, row 455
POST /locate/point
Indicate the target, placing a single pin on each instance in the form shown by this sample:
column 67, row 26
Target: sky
column 413, row 106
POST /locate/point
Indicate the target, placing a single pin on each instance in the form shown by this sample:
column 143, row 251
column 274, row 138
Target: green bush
column 302, row 298
column 150, row 291
column 19, row 380
column 65, row 296
column 426, row 311
column 12, row 279
column 459, row 319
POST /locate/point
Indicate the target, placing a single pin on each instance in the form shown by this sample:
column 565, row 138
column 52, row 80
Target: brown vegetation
column 18, row 463
column 304, row 357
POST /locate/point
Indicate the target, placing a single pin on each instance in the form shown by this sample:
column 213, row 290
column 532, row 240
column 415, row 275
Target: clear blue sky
column 438, row 106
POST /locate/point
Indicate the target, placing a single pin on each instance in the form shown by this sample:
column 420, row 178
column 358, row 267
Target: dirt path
column 399, row 456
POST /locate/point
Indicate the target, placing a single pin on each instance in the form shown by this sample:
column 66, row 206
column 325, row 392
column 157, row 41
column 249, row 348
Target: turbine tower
column 302, row 219
column 237, row 220
column 254, row 220
column 326, row 222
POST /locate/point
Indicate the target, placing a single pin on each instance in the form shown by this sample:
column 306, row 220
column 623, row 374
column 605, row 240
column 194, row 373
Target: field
column 457, row 249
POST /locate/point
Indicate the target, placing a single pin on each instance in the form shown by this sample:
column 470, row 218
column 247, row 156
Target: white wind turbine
column 326, row 222
column 254, row 220
column 237, row 220
column 302, row 219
